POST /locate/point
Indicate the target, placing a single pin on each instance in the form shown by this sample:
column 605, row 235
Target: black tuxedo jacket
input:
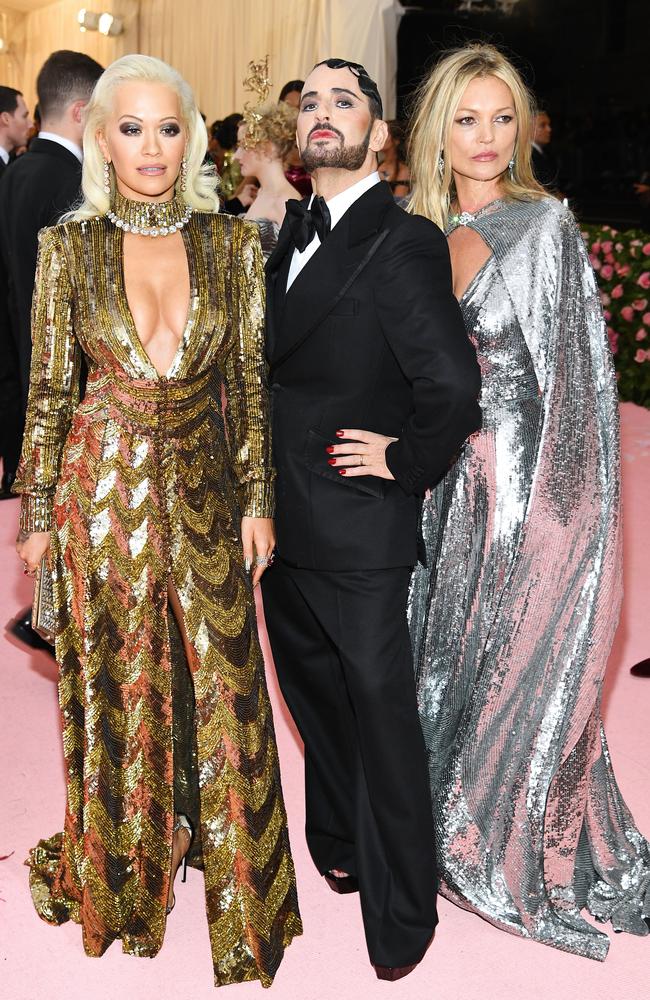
column 38, row 188
column 545, row 167
column 368, row 336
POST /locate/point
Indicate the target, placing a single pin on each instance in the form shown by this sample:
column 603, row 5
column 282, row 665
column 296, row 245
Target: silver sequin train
column 513, row 619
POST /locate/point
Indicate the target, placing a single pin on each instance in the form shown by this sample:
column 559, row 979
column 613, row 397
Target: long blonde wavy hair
column 437, row 101
column 201, row 181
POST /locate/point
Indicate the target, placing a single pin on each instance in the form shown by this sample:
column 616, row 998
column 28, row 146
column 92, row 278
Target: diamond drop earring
column 441, row 164
column 511, row 168
column 107, row 177
column 183, row 174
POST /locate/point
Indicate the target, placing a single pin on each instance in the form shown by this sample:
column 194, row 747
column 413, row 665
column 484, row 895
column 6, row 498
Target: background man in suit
column 40, row 186
column 43, row 183
column 15, row 123
column 363, row 331
column 545, row 165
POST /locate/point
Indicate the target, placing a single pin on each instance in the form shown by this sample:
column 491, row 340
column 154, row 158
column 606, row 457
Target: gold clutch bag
column 43, row 619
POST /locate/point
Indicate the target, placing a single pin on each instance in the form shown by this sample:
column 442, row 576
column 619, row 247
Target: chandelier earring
column 441, row 164
column 511, row 168
column 107, row 177
column 183, row 184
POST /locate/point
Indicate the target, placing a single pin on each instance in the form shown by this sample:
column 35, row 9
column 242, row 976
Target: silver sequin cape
column 513, row 620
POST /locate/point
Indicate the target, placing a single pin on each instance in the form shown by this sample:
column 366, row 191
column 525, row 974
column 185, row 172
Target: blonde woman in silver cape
column 514, row 615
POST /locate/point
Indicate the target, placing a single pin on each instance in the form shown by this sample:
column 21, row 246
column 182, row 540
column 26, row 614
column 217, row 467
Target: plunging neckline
column 477, row 275
column 130, row 322
column 488, row 209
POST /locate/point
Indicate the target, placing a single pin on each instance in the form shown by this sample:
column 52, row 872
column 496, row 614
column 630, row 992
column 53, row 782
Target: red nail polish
column 331, row 461
column 339, row 434
column 330, row 448
column 342, row 472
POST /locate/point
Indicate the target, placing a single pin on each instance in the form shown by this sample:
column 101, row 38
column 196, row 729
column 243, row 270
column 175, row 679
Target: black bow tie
column 305, row 222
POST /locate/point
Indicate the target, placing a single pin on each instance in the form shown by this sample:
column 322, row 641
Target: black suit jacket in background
column 35, row 191
column 368, row 336
column 545, row 167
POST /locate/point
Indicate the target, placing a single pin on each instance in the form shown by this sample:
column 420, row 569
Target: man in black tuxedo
column 15, row 123
column 40, row 186
column 363, row 332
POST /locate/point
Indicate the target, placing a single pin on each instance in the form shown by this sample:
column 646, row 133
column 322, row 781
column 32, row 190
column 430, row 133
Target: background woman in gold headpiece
column 157, row 524
column 264, row 146
column 266, row 137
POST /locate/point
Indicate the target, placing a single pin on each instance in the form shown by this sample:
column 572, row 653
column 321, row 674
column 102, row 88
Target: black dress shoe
column 342, row 883
column 8, row 479
column 21, row 629
column 641, row 669
column 391, row 973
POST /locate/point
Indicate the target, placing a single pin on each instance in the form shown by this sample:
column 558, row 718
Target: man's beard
column 340, row 158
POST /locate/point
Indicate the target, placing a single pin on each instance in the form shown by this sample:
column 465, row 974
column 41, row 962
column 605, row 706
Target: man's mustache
column 324, row 127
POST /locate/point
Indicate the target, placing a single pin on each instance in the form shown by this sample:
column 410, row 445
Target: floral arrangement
column 621, row 261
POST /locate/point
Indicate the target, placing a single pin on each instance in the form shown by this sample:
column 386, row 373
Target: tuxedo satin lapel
column 314, row 290
column 323, row 280
column 277, row 269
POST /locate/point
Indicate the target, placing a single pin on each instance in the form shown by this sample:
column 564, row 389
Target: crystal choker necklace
column 464, row 218
column 149, row 218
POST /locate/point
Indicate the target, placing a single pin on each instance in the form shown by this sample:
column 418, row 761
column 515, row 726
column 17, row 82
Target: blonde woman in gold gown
column 157, row 521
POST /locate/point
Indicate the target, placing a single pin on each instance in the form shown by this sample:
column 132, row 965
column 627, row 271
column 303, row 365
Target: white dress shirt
column 4, row 155
column 62, row 141
column 338, row 206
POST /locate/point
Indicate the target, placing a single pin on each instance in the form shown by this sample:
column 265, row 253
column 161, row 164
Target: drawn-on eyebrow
column 134, row 118
column 473, row 111
column 334, row 90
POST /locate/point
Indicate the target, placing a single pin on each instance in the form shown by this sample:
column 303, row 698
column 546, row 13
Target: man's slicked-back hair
column 65, row 77
column 367, row 85
column 9, row 99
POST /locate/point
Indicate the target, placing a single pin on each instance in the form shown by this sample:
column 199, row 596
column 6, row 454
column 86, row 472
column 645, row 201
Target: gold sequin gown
column 141, row 484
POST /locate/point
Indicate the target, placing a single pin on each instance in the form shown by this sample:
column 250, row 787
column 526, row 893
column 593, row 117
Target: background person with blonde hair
column 263, row 145
column 513, row 617
column 153, row 518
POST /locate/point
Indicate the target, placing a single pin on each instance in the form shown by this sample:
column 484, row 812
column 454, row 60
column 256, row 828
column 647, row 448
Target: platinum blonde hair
column 201, row 180
column 436, row 103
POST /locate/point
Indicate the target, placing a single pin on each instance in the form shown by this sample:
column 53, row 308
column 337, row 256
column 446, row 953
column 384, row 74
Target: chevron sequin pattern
column 143, row 488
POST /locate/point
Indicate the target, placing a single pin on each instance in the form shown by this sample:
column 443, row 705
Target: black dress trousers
column 342, row 652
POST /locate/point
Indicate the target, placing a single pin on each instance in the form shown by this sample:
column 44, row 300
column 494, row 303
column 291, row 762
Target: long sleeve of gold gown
column 246, row 389
column 143, row 490
column 54, row 385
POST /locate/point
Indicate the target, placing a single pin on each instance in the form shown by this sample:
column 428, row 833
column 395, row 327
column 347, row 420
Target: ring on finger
column 360, row 459
column 262, row 561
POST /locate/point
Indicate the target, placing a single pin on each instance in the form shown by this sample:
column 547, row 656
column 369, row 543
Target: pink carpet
column 470, row 960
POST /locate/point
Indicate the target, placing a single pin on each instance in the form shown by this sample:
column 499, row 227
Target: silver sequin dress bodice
column 507, row 369
column 268, row 235
column 513, row 617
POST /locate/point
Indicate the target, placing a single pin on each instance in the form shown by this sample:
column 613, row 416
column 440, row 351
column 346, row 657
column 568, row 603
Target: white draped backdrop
column 211, row 42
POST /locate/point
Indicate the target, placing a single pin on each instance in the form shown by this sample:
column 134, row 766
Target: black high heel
column 182, row 823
